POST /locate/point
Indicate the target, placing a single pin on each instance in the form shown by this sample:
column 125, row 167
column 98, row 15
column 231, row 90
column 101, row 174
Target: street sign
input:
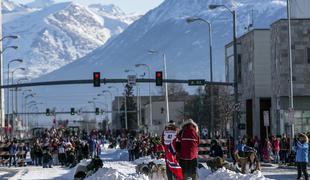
column 241, row 126
column 132, row 79
column 291, row 116
column 266, row 118
column 196, row 82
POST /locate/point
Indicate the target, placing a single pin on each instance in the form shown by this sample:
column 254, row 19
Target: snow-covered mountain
column 163, row 29
column 186, row 45
column 9, row 6
column 57, row 34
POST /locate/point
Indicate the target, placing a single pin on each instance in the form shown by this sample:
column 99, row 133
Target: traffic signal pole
column 105, row 81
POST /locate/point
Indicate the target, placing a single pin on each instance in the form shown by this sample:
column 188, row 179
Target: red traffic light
column 159, row 78
column 158, row 74
column 96, row 79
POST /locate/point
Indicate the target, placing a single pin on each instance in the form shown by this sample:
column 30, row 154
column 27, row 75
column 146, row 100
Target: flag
column 172, row 162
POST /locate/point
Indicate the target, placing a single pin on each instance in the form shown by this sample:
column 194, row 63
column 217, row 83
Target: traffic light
column 72, row 111
column 96, row 79
column 97, row 111
column 159, row 78
column 48, row 112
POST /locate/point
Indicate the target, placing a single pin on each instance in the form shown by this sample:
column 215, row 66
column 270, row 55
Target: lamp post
column 12, row 82
column 233, row 13
column 25, row 102
column 150, row 94
column 16, row 92
column 166, row 84
column 13, row 116
column 2, row 108
column 9, row 37
column 8, row 83
column 191, row 20
column 291, row 96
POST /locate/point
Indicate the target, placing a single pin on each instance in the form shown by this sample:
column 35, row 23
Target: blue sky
column 140, row 6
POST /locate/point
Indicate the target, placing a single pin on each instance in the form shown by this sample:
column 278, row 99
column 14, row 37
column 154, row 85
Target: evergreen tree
column 131, row 109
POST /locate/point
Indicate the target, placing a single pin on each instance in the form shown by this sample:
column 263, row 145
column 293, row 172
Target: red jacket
column 189, row 141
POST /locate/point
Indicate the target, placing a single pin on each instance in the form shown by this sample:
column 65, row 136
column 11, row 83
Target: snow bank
column 148, row 159
column 224, row 174
column 113, row 174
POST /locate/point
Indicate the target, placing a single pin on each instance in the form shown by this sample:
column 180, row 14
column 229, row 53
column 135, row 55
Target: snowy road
column 33, row 172
column 279, row 174
column 115, row 167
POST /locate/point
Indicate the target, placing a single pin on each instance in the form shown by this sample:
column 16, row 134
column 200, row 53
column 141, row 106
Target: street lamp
column 8, row 83
column 9, row 37
column 16, row 91
column 195, row 19
column 21, row 69
column 151, row 51
column 150, row 94
column 8, row 47
column 233, row 13
column 12, row 81
column 2, row 108
column 25, row 103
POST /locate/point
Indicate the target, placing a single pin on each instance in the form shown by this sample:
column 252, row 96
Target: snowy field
column 115, row 167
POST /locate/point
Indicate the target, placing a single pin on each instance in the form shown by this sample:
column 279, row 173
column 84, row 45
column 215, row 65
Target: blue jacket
column 301, row 151
column 240, row 147
column 12, row 149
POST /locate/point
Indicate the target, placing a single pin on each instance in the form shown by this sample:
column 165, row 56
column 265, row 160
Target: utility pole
column 235, row 120
column 2, row 109
column 291, row 96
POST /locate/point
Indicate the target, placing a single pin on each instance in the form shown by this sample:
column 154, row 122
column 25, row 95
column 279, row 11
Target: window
column 308, row 55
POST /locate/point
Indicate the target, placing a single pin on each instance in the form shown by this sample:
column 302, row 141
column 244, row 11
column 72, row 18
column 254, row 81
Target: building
column 119, row 100
column 281, row 75
column 176, row 113
column 254, row 80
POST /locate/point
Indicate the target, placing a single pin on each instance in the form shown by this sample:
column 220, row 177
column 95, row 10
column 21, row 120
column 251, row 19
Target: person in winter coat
column 216, row 149
column 248, row 164
column 267, row 151
column 12, row 151
column 131, row 146
column 284, row 147
column 276, row 148
column 168, row 136
column 187, row 150
column 301, row 147
column 61, row 153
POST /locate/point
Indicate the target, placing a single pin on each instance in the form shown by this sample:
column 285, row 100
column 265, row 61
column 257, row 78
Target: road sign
column 196, row 82
column 241, row 126
column 132, row 79
column 266, row 118
column 291, row 116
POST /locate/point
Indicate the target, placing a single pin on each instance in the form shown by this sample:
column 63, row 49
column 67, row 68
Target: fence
column 5, row 154
column 205, row 145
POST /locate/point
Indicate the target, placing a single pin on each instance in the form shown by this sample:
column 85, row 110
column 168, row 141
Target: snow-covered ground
column 116, row 167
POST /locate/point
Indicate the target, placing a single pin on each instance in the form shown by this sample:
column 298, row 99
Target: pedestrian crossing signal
column 159, row 78
column 48, row 112
column 72, row 111
column 96, row 79
column 97, row 111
